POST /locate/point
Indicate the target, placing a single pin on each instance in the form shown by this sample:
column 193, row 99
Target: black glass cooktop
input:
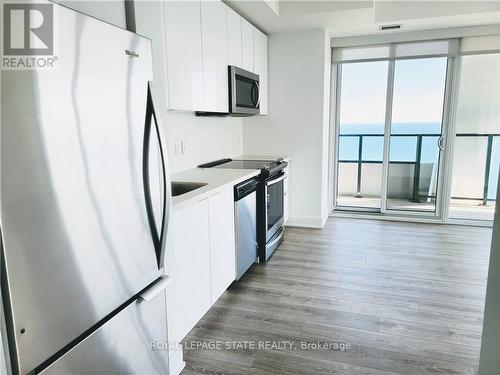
column 267, row 167
column 240, row 164
column 245, row 164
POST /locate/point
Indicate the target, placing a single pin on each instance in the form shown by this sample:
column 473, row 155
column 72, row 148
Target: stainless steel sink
column 179, row 188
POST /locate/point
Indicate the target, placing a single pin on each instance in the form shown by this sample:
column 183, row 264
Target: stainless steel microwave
column 244, row 93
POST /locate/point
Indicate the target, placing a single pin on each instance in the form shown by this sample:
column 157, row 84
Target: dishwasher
column 245, row 218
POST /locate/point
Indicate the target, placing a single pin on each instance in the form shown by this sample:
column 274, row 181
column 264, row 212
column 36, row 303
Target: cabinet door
column 233, row 38
column 260, row 66
column 184, row 55
column 214, row 45
column 188, row 297
column 246, row 45
column 222, row 245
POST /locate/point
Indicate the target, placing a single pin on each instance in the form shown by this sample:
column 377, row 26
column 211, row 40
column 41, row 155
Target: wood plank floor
column 407, row 297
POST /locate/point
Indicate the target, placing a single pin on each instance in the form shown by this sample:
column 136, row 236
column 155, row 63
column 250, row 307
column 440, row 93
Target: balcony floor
column 459, row 208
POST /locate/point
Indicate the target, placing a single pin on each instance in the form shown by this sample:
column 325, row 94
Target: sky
column 418, row 91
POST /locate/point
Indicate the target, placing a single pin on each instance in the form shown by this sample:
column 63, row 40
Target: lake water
column 397, row 128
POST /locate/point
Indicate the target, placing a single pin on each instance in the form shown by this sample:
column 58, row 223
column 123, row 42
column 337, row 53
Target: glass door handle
column 441, row 143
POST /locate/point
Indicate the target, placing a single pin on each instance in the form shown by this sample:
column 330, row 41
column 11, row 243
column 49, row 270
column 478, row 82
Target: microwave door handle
column 258, row 94
column 253, row 96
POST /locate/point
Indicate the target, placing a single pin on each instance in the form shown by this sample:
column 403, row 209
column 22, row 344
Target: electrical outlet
column 183, row 147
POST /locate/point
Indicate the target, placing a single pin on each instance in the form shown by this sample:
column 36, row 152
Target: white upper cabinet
column 214, row 46
column 246, row 45
column 184, row 55
column 233, row 38
column 260, row 66
column 193, row 44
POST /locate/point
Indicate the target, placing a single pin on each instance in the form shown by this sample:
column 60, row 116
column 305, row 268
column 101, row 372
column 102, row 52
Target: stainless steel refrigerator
column 85, row 198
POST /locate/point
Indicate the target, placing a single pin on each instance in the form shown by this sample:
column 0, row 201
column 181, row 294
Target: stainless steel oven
column 274, row 189
column 244, row 94
column 272, row 215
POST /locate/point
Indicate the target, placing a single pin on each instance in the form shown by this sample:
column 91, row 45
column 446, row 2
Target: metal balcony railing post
column 360, row 162
column 487, row 170
column 416, row 171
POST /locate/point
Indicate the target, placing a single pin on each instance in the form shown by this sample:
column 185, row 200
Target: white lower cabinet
column 188, row 264
column 222, row 245
column 200, row 260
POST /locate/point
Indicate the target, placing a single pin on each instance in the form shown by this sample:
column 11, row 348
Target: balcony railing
column 417, row 161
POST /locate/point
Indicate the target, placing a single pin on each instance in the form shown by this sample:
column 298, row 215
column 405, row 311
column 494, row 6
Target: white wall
column 205, row 139
column 489, row 362
column 297, row 123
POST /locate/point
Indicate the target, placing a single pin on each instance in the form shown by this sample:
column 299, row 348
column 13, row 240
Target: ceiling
column 360, row 17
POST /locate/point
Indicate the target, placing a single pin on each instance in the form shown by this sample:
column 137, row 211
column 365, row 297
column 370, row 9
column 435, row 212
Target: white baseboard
column 305, row 222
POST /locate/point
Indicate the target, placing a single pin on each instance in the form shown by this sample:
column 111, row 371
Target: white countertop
column 215, row 178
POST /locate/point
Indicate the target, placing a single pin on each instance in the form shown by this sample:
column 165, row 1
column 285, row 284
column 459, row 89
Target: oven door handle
column 276, row 180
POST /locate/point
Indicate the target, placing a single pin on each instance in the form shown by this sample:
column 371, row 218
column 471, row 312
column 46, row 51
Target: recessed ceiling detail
column 358, row 17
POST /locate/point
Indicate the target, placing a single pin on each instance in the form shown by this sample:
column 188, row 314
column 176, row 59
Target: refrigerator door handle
column 159, row 238
column 159, row 286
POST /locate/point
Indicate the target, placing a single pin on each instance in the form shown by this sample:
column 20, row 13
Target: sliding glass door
column 390, row 135
column 361, row 134
column 416, row 134
column 476, row 156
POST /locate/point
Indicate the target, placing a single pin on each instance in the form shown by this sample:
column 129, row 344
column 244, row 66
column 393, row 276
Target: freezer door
column 77, row 239
column 133, row 342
